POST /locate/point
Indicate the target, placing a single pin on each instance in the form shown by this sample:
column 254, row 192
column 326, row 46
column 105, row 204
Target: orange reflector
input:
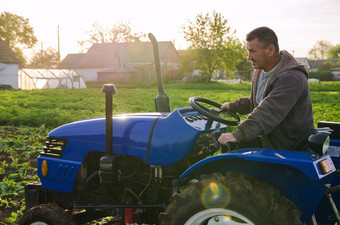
column 327, row 165
column 44, row 168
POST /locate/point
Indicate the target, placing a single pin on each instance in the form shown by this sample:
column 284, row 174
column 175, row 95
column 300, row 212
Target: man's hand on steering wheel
column 225, row 106
column 213, row 114
column 226, row 138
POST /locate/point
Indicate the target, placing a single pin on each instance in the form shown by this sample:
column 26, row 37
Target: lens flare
column 226, row 218
column 215, row 195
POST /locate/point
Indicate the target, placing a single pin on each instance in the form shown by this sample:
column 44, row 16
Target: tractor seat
column 302, row 143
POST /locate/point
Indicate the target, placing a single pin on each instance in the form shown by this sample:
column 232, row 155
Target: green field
column 27, row 116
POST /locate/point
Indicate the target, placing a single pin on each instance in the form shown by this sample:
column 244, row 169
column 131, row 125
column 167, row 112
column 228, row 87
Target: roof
column 49, row 73
column 7, row 55
column 319, row 62
column 304, row 61
column 335, row 69
column 113, row 55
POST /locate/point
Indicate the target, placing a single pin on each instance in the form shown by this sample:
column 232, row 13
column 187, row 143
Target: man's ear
column 271, row 50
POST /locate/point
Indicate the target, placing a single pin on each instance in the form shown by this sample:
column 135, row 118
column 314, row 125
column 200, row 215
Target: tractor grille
column 54, row 147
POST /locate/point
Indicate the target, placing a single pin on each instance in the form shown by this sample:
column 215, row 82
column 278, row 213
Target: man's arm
column 273, row 108
column 241, row 106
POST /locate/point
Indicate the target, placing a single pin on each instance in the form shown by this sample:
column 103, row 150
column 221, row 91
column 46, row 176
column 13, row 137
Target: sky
column 299, row 24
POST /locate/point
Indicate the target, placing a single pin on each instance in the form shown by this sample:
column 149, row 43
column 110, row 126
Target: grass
column 27, row 116
column 56, row 107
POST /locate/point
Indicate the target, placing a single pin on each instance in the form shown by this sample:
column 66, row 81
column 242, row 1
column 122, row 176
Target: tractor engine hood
column 131, row 133
column 157, row 138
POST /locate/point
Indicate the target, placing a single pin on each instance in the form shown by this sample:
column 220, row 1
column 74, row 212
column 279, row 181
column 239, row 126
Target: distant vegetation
column 322, row 75
column 52, row 108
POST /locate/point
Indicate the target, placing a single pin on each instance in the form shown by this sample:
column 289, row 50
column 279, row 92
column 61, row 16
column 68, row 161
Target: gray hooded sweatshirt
column 285, row 113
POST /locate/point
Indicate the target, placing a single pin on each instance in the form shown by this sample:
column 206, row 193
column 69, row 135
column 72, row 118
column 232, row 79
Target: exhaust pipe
column 106, row 171
column 162, row 101
column 109, row 90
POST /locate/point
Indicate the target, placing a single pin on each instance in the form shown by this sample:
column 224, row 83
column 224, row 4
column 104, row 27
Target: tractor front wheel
column 45, row 214
column 234, row 199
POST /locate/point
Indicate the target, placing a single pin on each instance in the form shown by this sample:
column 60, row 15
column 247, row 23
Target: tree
column 44, row 59
column 334, row 52
column 16, row 32
column 213, row 44
column 120, row 32
column 187, row 60
column 320, row 50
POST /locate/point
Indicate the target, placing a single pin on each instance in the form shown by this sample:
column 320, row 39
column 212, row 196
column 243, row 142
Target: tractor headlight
column 319, row 142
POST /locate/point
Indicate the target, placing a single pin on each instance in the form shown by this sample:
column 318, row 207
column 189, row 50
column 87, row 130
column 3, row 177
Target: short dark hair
column 264, row 35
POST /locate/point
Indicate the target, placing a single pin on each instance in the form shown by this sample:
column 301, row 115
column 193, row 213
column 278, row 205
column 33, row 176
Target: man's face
column 257, row 54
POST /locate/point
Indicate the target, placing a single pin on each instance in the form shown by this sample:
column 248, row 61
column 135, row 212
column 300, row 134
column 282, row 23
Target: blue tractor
column 168, row 168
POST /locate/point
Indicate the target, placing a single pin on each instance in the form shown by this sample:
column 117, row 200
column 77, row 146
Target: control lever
column 230, row 146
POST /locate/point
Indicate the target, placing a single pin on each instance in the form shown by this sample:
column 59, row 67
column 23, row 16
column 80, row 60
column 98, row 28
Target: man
column 280, row 106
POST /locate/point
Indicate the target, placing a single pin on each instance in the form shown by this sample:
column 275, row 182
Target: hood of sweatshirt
column 288, row 62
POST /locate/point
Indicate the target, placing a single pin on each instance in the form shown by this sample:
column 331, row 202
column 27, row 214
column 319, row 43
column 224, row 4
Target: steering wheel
column 213, row 114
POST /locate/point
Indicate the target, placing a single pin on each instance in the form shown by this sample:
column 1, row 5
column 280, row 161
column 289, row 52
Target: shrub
column 321, row 75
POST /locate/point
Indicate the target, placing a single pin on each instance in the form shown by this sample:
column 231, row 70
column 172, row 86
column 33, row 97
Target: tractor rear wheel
column 233, row 198
column 45, row 214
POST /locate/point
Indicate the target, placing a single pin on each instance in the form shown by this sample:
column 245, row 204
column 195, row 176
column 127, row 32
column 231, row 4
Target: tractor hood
column 157, row 138
column 131, row 133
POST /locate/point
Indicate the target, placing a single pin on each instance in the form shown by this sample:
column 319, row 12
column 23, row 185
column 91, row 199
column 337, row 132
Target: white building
column 9, row 65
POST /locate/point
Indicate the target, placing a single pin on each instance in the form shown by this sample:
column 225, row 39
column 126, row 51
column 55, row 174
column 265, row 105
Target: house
column 123, row 62
column 9, row 65
column 319, row 63
column 304, row 61
column 336, row 72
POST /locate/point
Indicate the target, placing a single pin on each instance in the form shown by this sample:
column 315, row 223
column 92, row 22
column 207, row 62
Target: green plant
column 321, row 75
column 19, row 148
